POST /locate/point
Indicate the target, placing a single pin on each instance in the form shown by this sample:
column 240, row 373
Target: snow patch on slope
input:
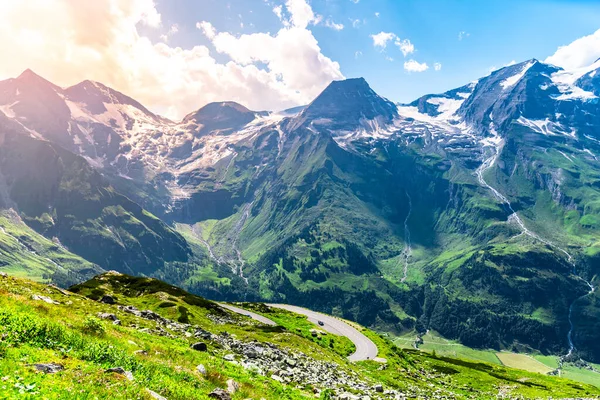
column 565, row 82
column 513, row 80
column 546, row 127
column 7, row 110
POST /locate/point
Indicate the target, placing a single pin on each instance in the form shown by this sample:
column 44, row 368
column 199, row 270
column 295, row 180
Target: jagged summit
column 524, row 88
column 28, row 74
column 95, row 96
column 30, row 79
column 349, row 101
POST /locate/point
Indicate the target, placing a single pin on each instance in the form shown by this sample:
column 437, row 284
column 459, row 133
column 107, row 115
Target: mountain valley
column 473, row 213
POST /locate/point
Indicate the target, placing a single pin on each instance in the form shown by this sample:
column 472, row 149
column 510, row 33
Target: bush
column 94, row 326
column 183, row 315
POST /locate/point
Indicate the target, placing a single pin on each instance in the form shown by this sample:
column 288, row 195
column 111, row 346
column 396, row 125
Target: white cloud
column 381, row 39
column 331, row 24
column 358, row 54
column 355, row 22
column 377, row 14
column 207, row 28
column 68, row 41
column 301, row 13
column 278, row 10
column 414, row 66
column 405, row 46
column 580, row 53
column 437, row 66
column 462, row 35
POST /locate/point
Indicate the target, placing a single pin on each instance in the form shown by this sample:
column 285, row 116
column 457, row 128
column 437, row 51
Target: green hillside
column 85, row 354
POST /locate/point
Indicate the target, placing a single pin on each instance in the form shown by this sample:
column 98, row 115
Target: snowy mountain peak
column 96, row 98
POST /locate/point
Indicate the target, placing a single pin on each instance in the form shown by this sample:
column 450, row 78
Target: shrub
column 183, row 315
column 94, row 326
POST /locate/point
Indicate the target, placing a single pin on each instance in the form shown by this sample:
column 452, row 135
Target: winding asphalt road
column 365, row 348
column 250, row 314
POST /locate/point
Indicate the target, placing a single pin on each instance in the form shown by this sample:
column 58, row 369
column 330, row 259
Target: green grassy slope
column 24, row 252
column 69, row 333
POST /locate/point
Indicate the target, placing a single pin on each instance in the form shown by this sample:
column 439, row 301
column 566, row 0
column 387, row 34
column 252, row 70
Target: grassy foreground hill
column 158, row 341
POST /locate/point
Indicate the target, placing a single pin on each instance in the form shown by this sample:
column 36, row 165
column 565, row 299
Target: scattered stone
column 232, row 386
column 201, row 369
column 44, row 299
column 120, row 371
column 200, row 333
column 140, row 353
column 107, row 316
column 117, row 322
column 3, row 274
column 219, row 394
column 51, row 368
column 200, row 346
column 251, row 352
column 291, row 362
column 155, row 395
column 283, row 365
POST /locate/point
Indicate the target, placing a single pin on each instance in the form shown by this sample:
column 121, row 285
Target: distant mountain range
column 474, row 213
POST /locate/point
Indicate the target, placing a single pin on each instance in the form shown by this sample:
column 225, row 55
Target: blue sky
column 494, row 34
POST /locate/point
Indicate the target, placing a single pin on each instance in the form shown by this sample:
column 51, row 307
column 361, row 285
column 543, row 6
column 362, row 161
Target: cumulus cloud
column 437, row 66
column 278, row 10
column 381, row 39
column 414, row 66
column 580, row 53
column 405, row 46
column 301, row 13
column 331, row 24
column 207, row 28
column 68, row 41
column 462, row 35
